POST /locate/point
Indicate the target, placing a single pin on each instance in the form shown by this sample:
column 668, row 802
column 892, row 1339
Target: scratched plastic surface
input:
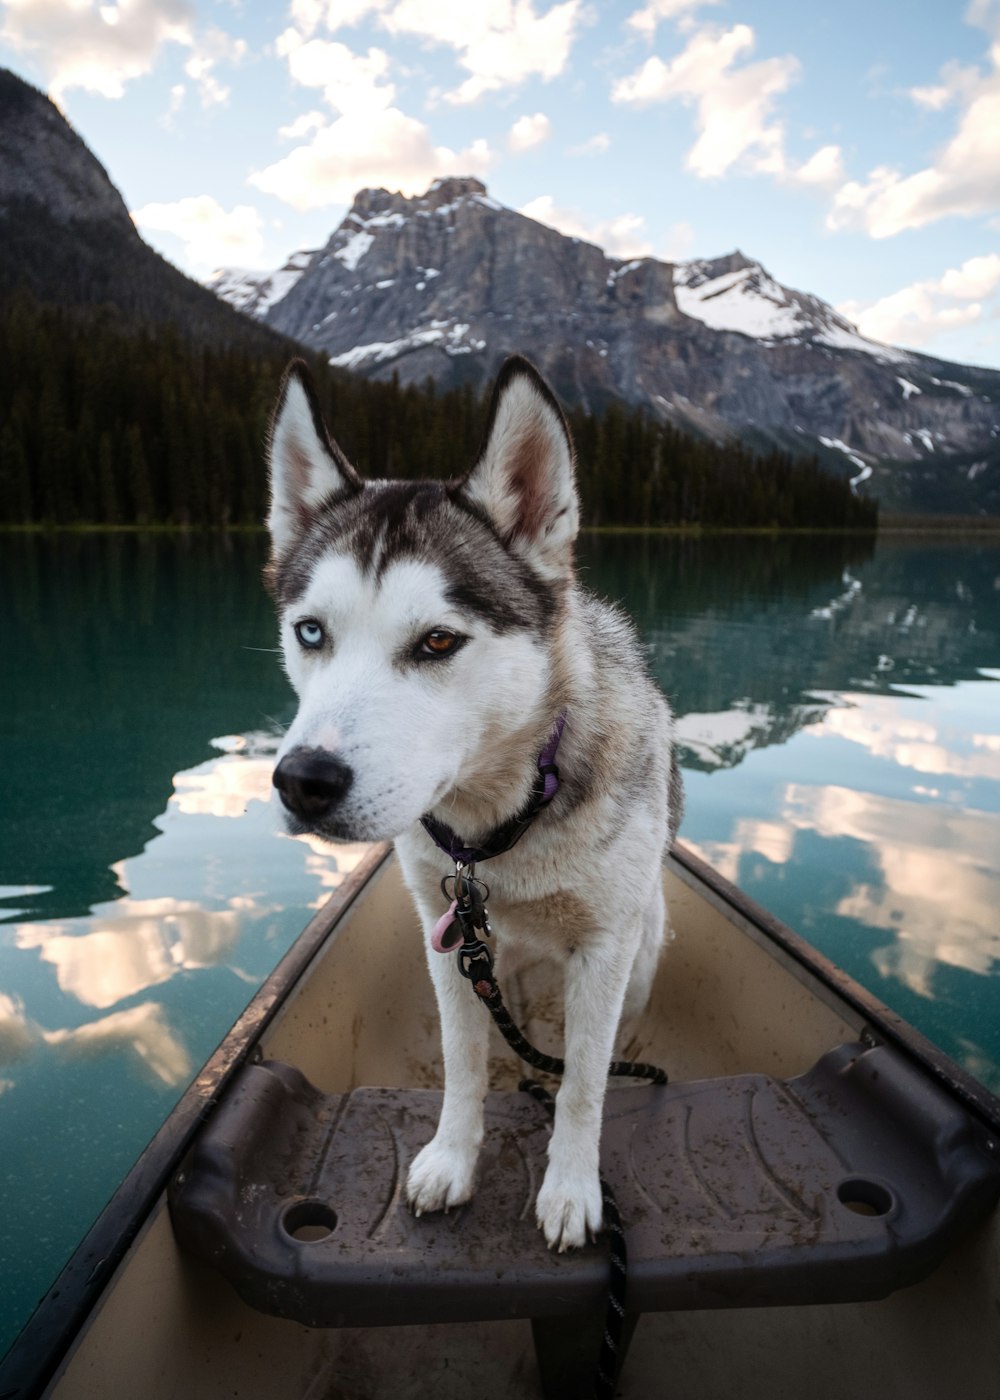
column 845, row 1183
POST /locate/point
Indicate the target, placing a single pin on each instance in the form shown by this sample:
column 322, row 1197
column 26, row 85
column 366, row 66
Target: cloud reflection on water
column 15, row 1036
column 936, row 889
column 888, row 727
column 143, row 943
column 912, row 862
column 141, row 1029
column 148, row 937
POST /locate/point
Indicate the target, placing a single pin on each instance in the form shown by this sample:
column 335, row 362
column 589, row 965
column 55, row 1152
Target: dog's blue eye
column 310, row 633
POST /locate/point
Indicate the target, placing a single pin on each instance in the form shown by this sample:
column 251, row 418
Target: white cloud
column 984, row 14
column 620, row 236
column 964, row 179
column 733, row 103
column 824, row 167
column 964, row 182
column 596, row 146
column 528, row 132
column 308, row 15
column 916, row 314
column 99, row 49
column 372, row 142
column 654, row 12
column 500, row 43
column 365, row 148
column 351, row 82
column 977, row 277
column 177, row 94
column 956, row 82
column 210, row 49
column 301, row 126
column 212, row 237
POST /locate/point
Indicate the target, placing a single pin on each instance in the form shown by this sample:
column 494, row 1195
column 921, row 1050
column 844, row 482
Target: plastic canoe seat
column 845, row 1183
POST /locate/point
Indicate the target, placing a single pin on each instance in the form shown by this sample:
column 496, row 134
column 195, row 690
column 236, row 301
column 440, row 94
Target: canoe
column 811, row 1203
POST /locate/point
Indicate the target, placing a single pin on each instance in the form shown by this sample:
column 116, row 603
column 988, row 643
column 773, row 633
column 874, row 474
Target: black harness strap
column 501, row 838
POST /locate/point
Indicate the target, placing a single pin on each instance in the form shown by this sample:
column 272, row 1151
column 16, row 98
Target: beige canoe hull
column 728, row 999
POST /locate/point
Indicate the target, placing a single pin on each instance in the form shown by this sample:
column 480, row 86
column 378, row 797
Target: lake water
column 840, row 720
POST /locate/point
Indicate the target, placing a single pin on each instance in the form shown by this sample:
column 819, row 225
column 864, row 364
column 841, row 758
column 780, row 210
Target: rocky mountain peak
column 447, row 191
column 66, row 237
column 43, row 160
column 441, row 194
column 736, row 261
column 370, row 202
column 445, row 284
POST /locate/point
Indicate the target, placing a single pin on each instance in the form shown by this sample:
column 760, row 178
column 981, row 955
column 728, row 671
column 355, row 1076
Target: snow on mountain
column 447, row 336
column 255, row 292
column 746, row 299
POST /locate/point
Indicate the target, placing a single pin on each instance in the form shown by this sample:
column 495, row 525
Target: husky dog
column 439, row 643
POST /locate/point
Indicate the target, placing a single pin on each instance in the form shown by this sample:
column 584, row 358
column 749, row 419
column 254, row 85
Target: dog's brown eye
column 440, row 642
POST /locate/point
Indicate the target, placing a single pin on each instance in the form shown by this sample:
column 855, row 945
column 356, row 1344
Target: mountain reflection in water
column 839, row 723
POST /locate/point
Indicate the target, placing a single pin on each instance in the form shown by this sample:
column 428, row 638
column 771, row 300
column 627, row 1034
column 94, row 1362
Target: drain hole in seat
column 865, row 1197
column 309, row 1221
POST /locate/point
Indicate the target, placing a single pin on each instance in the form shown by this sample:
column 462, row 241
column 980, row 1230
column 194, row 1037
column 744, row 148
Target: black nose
column 311, row 782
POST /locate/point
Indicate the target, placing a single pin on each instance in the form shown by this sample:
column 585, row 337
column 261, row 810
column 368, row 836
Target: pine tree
column 108, row 511
column 140, row 492
column 15, row 477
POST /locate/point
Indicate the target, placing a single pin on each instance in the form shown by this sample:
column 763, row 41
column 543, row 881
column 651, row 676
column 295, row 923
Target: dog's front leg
column 569, row 1206
column 443, row 1173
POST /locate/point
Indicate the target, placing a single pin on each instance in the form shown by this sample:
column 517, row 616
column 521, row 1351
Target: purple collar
column 501, row 838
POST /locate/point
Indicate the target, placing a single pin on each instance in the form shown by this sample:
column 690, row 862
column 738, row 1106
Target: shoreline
column 924, row 526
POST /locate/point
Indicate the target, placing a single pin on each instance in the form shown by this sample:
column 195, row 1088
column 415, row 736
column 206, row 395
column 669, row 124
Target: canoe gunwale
column 47, row 1336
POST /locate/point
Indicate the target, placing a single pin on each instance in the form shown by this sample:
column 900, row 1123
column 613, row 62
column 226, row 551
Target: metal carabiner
column 471, row 952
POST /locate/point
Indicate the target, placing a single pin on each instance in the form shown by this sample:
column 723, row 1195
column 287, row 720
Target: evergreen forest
column 106, row 422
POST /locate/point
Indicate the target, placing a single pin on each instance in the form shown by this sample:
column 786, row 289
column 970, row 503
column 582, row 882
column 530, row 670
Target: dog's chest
column 558, row 922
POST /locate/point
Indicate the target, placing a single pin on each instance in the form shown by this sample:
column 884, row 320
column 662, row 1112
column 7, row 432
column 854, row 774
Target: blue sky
column 852, row 148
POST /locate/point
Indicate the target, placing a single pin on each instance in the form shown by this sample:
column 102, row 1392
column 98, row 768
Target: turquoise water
column 840, row 723
column 146, row 892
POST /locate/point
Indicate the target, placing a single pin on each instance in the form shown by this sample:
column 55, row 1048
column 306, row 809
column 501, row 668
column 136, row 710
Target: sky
column 851, row 147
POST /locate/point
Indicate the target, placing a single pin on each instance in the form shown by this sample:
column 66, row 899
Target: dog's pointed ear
column 306, row 465
column 524, row 479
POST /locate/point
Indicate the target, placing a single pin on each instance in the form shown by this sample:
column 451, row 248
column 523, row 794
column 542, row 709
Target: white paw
column 440, row 1178
column 569, row 1209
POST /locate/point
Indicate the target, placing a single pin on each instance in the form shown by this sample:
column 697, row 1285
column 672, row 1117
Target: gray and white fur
column 433, row 631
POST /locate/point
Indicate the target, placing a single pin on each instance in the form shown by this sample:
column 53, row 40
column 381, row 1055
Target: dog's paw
column 440, row 1178
column 569, row 1209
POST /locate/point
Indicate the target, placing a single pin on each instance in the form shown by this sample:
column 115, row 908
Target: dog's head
column 416, row 616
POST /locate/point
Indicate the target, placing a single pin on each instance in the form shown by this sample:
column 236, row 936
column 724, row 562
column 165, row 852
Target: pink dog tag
column 439, row 942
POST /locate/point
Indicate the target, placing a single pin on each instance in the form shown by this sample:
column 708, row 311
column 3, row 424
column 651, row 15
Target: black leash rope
column 475, row 961
column 479, row 970
column 608, row 1358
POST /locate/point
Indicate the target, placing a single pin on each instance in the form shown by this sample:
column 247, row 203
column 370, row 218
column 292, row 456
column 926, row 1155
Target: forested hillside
column 130, row 395
column 106, row 421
